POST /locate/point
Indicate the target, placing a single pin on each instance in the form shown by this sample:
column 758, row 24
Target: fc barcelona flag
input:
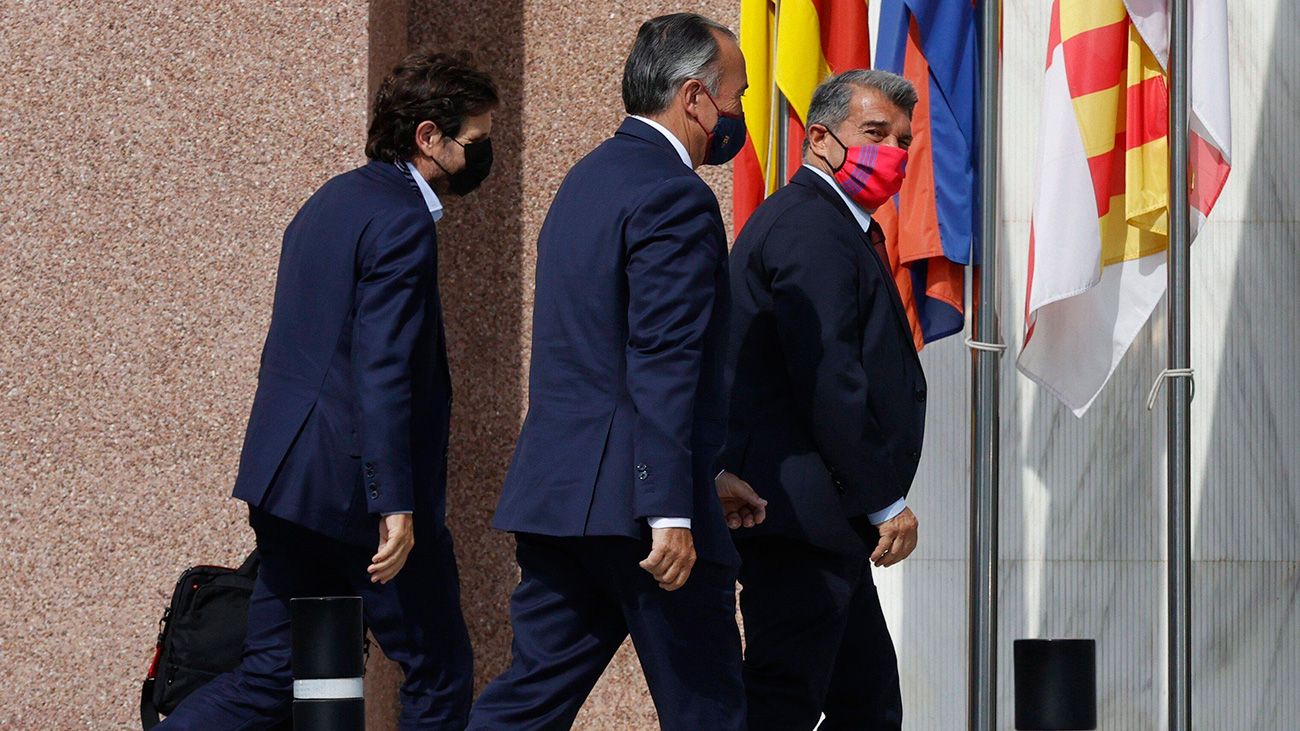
column 931, row 225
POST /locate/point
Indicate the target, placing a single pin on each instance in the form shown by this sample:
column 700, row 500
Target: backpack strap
column 249, row 567
column 148, row 711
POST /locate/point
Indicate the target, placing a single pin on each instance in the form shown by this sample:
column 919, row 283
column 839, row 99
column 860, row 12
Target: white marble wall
column 1082, row 541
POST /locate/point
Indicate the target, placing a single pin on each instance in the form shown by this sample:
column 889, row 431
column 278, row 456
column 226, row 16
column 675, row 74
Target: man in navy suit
column 827, row 412
column 611, row 493
column 347, row 441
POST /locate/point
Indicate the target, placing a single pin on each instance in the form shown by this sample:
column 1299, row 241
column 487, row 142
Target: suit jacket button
column 374, row 494
column 916, row 454
column 642, row 475
column 920, row 394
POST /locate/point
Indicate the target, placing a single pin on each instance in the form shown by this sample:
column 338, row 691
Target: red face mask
column 870, row 174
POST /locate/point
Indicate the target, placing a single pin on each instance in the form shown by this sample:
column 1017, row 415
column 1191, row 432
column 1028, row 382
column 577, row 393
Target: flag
column 930, row 226
column 753, row 178
column 791, row 51
column 1100, row 222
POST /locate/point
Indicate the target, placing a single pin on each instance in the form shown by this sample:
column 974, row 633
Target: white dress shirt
column 430, row 198
column 864, row 220
column 669, row 522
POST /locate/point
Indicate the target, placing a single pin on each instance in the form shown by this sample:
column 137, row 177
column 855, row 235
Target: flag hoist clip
column 1188, row 373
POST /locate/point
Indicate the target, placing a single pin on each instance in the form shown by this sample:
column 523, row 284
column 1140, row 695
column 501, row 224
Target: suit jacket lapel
column 814, row 181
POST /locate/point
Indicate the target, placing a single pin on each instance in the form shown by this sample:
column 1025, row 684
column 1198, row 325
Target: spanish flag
column 930, row 226
column 1101, row 220
column 790, row 51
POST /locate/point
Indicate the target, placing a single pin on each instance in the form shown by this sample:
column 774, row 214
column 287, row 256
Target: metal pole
column 982, row 685
column 782, row 139
column 1180, row 389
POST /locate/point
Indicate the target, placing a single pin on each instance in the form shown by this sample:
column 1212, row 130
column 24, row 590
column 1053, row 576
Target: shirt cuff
column 721, row 472
column 656, row 523
column 881, row 516
column 396, row 512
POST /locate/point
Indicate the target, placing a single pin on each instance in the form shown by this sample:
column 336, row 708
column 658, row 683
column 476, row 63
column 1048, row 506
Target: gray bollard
column 1056, row 684
column 328, row 663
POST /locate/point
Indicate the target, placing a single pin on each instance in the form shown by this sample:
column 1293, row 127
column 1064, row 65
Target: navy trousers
column 416, row 618
column 578, row 598
column 815, row 640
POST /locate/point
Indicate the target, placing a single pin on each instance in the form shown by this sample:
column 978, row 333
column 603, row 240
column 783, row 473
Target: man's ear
column 817, row 137
column 427, row 137
column 691, row 91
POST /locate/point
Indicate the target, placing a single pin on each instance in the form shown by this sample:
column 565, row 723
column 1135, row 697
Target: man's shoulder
column 370, row 190
column 795, row 213
column 629, row 170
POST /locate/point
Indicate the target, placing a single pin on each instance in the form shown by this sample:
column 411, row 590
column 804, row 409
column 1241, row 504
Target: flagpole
column 782, row 139
column 1180, row 388
column 982, row 646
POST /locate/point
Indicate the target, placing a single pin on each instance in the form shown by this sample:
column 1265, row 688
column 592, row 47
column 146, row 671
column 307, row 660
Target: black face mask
column 478, row 163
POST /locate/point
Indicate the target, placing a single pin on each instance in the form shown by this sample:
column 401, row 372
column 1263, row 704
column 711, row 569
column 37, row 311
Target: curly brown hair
column 442, row 88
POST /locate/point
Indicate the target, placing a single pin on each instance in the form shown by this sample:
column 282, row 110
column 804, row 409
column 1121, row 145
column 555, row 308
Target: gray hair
column 669, row 51
column 830, row 102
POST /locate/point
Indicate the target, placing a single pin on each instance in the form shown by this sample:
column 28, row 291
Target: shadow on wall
column 481, row 281
column 1246, row 549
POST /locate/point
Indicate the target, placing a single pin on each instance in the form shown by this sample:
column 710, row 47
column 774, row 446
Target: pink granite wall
column 151, row 154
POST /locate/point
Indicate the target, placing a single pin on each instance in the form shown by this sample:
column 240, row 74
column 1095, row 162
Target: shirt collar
column 672, row 139
column 859, row 215
column 430, row 198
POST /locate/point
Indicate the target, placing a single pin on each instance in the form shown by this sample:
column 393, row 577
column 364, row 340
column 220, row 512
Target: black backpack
column 200, row 636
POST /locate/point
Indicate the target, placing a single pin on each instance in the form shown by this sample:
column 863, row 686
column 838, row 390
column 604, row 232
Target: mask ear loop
column 444, row 170
column 708, row 134
column 836, row 168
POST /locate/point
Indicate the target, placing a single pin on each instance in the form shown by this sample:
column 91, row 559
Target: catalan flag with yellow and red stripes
column 1101, row 219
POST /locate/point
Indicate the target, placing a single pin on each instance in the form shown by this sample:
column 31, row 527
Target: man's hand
column 740, row 504
column 672, row 554
column 396, row 539
column 897, row 539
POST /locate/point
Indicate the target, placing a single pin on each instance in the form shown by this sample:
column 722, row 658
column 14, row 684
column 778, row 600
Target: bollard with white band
column 328, row 663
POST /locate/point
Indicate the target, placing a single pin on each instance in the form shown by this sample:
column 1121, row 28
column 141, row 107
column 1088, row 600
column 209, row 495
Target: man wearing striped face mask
column 826, row 415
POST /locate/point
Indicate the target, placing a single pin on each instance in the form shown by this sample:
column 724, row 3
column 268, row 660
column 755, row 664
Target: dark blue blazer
column 827, row 396
column 625, row 390
column 353, row 398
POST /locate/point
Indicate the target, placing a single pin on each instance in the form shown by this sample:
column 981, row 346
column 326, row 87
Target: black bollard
column 1056, row 684
column 328, row 663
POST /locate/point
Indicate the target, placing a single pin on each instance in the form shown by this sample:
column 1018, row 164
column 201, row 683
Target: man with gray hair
column 611, row 494
column 827, row 412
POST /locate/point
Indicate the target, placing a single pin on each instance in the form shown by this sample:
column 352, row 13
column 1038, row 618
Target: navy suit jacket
column 625, row 414
column 827, row 396
column 353, row 401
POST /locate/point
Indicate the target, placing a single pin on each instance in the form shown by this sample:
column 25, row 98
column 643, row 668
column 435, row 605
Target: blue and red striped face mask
column 870, row 174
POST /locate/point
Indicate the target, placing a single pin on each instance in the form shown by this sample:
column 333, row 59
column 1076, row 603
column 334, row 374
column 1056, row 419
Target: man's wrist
column 889, row 513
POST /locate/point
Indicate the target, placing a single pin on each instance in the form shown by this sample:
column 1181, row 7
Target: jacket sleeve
column 674, row 247
column 815, row 298
column 395, row 273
